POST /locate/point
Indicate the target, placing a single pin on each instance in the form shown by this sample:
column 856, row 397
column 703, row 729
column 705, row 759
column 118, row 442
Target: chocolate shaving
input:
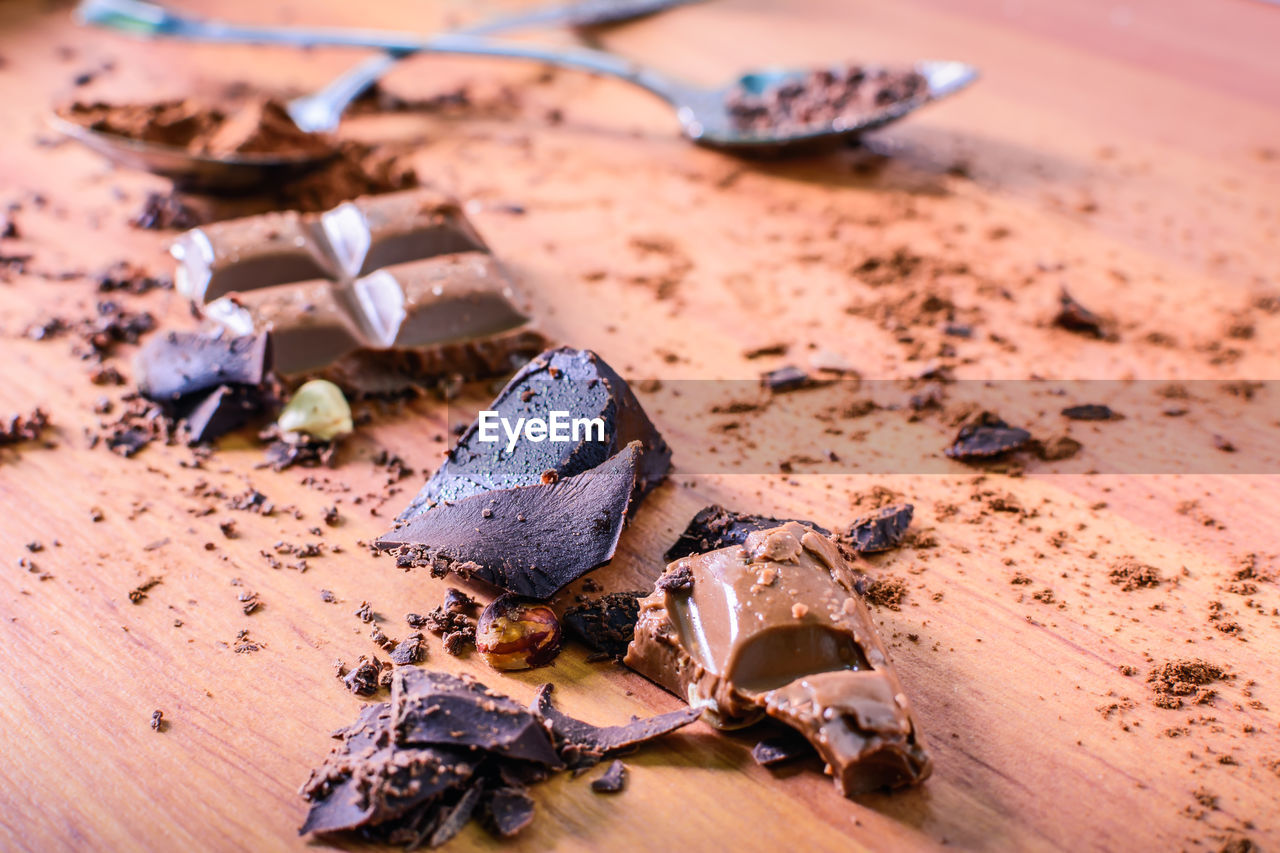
column 582, row 744
column 782, row 749
column 1090, row 412
column 1074, row 317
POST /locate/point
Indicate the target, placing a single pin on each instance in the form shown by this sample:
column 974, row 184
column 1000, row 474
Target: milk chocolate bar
column 377, row 294
column 774, row 627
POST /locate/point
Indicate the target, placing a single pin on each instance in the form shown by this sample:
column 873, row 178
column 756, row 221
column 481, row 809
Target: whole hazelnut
column 514, row 633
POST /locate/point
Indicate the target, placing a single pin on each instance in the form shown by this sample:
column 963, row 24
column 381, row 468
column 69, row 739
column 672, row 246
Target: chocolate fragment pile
column 535, row 518
column 445, row 750
column 19, row 428
column 214, row 382
column 258, row 127
column 986, row 437
column 842, row 97
column 606, row 624
column 379, row 295
column 881, row 530
column 774, row 627
column 715, row 527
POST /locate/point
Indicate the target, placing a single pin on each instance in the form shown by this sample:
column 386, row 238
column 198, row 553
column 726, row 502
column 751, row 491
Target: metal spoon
column 321, row 112
column 703, row 112
column 317, row 112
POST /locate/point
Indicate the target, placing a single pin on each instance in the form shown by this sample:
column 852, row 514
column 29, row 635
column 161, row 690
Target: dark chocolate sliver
column 566, row 380
column 1089, row 412
column 182, row 363
column 508, row 811
column 529, row 540
column 785, row 379
column 986, row 437
column 881, row 530
column 715, row 527
column 582, row 744
column 607, row 623
column 457, row 816
column 435, row 709
column 613, row 780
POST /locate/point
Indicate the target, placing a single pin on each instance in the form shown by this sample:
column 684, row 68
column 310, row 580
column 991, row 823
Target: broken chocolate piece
column 226, row 409
column 582, row 744
column 1074, row 317
column 438, row 709
column 785, row 379
column 881, row 530
column 529, row 540
column 715, row 527
column 559, row 380
column 613, row 780
column 509, row 810
column 606, row 624
column 773, row 751
column 1089, row 412
column 182, row 363
column 774, row 626
column 986, row 437
column 378, row 294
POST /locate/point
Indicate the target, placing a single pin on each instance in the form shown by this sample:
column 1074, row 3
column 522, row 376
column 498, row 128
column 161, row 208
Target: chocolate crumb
column 613, row 780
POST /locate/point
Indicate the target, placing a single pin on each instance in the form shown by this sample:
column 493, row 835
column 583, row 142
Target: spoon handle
column 322, row 110
column 149, row 20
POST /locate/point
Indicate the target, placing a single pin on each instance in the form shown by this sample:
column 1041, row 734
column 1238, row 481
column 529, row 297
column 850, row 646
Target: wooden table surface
column 1130, row 151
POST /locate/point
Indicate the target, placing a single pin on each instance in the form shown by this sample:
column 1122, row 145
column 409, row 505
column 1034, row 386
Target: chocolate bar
column 774, row 627
column 377, row 294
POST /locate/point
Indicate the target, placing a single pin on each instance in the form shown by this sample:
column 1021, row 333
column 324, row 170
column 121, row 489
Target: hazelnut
column 514, row 633
column 319, row 410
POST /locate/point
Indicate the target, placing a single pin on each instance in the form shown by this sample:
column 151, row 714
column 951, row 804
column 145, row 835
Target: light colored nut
column 319, row 410
column 517, row 634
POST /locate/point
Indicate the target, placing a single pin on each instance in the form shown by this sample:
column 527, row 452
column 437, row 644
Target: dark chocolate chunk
column 508, row 810
column 363, row 680
column 986, row 437
column 435, row 708
column 773, row 751
column 225, row 409
column 1074, row 317
column 613, row 780
column 456, row 816
column 715, row 527
column 1089, row 412
column 182, row 363
column 785, row 379
column 529, row 540
column 881, row 530
column 560, row 380
column 410, row 650
column 582, row 744
column 369, row 779
column 607, row 623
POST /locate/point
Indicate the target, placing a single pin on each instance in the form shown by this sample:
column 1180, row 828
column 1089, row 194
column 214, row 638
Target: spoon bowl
column 244, row 173
column 705, row 118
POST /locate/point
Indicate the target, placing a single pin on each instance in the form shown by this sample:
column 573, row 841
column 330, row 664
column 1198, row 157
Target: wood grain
column 1140, row 170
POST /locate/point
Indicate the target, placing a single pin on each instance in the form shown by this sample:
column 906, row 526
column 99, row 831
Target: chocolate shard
column 529, row 540
column 508, row 810
column 1074, row 317
column 456, row 816
column 1089, row 412
column 181, row 363
column 607, row 623
column 559, row 380
column 368, row 779
column 784, row 379
column 613, row 780
column 774, row 626
column 986, row 437
column 582, row 744
column 439, row 709
column 225, row 409
column 881, row 530
column 782, row 749
column 715, row 527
